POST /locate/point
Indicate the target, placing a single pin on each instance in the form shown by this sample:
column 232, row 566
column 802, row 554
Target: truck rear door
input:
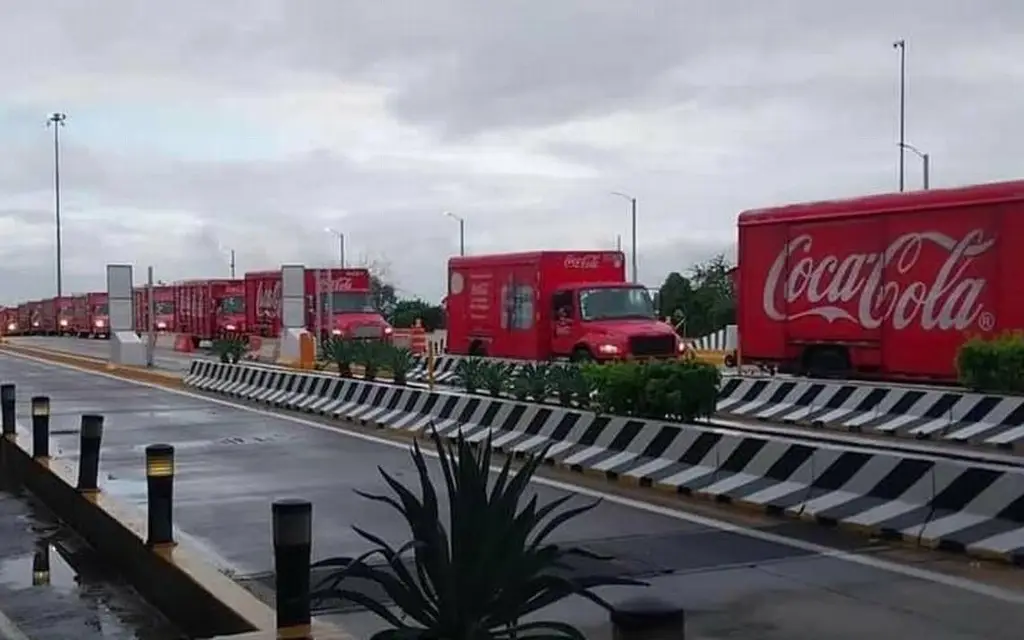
column 518, row 295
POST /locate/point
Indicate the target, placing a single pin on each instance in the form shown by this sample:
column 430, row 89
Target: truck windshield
column 347, row 302
column 232, row 304
column 100, row 309
column 163, row 307
column 617, row 302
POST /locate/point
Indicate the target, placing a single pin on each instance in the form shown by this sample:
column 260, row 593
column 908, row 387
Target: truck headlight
column 681, row 347
column 608, row 349
column 12, row 327
column 336, row 332
column 63, row 322
column 100, row 323
column 230, row 327
column 388, row 330
column 35, row 323
column 161, row 325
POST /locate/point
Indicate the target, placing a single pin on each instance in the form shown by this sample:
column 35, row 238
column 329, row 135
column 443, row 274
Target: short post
column 430, row 366
column 41, row 564
column 8, row 396
column 648, row 619
column 293, row 542
column 160, row 494
column 90, row 437
column 40, row 427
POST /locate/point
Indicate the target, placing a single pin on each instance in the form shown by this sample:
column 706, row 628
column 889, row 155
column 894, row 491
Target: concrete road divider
column 922, row 413
column 938, row 501
column 196, row 597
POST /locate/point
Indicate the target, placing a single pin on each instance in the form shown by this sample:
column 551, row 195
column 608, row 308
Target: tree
column 703, row 301
column 406, row 311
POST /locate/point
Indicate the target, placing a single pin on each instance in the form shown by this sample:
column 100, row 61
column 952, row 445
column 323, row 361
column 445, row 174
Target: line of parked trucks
column 338, row 302
column 884, row 286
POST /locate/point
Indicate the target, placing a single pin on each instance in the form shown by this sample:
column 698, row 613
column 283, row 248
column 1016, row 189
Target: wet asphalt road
column 232, row 463
column 76, row 598
column 164, row 358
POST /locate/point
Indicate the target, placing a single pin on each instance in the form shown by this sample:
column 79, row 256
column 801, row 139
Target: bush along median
column 682, row 390
column 995, row 365
column 375, row 359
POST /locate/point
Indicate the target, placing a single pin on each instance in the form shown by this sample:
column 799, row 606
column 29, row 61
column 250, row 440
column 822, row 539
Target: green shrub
column 342, row 353
column 469, row 373
column 400, row 361
column 674, row 389
column 995, row 365
column 480, row 572
column 494, row 377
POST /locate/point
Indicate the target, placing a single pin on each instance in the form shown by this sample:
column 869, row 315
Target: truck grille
column 648, row 346
column 366, row 331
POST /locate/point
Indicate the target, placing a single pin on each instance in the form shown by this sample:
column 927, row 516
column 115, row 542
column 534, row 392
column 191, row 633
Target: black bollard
column 160, row 490
column 90, row 437
column 8, row 397
column 293, row 542
column 648, row 619
column 41, row 564
column 40, row 427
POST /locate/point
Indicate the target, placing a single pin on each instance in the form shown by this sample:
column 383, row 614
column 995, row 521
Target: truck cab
column 608, row 321
column 552, row 304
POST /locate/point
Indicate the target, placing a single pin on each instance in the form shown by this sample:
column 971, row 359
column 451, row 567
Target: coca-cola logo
column 582, row 262
column 343, row 284
column 942, row 299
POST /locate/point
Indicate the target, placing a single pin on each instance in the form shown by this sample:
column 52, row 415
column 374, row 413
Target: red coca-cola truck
column 90, row 315
column 552, row 304
column 886, row 286
column 210, row 309
column 55, row 316
column 9, row 317
column 163, row 308
column 34, row 317
column 345, row 304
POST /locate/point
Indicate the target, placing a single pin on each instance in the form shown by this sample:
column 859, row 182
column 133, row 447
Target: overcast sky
column 195, row 127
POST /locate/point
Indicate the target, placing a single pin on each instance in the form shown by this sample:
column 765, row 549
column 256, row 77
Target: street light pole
column 462, row 231
column 232, row 264
column 56, row 120
column 902, row 46
column 341, row 244
column 925, row 163
column 632, row 213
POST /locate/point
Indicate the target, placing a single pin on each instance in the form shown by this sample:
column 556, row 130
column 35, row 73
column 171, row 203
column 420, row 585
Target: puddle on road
column 53, row 586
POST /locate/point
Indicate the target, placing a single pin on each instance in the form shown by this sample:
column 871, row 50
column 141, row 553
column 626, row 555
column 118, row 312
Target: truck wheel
column 581, row 355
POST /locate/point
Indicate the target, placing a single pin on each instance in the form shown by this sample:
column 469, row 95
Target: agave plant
column 563, row 380
column 477, row 573
column 230, row 350
column 494, row 378
column 536, row 379
column 371, row 355
column 341, row 351
column 400, row 361
column 469, row 373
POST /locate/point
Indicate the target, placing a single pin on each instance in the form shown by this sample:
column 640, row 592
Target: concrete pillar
column 125, row 346
column 293, row 310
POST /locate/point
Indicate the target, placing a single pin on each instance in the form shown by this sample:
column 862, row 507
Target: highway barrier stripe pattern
column 953, row 415
column 968, row 507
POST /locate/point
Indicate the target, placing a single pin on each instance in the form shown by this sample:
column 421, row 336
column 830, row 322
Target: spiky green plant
column 477, row 573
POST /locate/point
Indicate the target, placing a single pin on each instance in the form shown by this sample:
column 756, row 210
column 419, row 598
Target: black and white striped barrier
column 930, row 500
column 951, row 415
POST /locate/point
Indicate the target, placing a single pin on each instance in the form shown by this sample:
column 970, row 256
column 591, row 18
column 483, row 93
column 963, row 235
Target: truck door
column 563, row 321
column 518, row 318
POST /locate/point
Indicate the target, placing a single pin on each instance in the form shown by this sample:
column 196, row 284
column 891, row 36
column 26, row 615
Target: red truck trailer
column 210, row 309
column 163, row 308
column 345, row 305
column 90, row 316
column 885, row 286
column 55, row 316
column 9, row 317
column 551, row 304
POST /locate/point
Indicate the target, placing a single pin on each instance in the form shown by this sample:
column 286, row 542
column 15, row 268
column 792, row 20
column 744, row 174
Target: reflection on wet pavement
column 52, row 586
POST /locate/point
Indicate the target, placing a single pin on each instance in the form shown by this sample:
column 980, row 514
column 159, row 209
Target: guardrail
column 970, row 507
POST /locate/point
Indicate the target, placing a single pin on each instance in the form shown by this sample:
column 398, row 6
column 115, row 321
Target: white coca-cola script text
column 582, row 262
column 942, row 299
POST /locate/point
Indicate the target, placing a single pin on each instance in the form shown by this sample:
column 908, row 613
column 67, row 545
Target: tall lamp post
column 925, row 162
column 462, row 231
column 341, row 244
column 56, row 120
column 632, row 213
column 901, row 45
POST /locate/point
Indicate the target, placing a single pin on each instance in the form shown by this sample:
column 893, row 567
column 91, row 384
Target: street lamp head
column 899, row 44
column 449, row 214
column 56, row 118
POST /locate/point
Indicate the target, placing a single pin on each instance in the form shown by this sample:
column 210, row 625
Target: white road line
column 964, row 584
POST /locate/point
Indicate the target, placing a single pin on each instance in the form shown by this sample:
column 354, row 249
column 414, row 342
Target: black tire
column 581, row 355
